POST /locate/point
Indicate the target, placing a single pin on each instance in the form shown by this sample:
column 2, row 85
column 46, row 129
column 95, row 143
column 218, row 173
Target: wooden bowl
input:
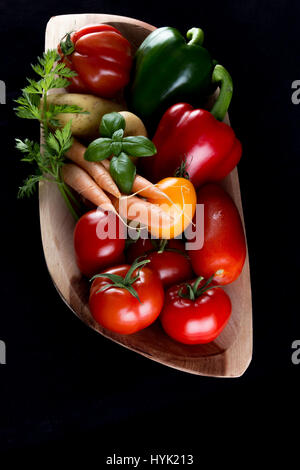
column 230, row 354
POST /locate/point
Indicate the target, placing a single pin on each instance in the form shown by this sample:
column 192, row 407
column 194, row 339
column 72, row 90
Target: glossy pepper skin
column 224, row 250
column 167, row 70
column 102, row 58
column 208, row 148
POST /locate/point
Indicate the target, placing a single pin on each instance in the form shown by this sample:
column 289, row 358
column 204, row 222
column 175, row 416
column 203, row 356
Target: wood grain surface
column 230, row 354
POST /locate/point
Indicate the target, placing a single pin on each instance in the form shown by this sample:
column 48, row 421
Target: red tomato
column 139, row 248
column 101, row 56
column 195, row 321
column 224, row 251
column 172, row 267
column 117, row 309
column 94, row 254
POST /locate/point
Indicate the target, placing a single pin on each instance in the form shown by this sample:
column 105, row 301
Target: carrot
column 97, row 171
column 144, row 212
column 80, row 180
column 141, row 185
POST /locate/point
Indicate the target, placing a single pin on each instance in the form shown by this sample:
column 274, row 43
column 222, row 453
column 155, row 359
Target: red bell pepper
column 194, row 141
column 102, row 58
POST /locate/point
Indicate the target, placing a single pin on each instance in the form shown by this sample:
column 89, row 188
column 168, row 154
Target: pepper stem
column 196, row 36
column 221, row 77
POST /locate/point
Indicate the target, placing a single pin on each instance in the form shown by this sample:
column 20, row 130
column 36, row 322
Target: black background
column 64, row 386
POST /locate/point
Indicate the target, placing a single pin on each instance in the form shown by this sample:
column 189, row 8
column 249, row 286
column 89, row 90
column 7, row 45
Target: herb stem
column 61, row 187
column 45, row 123
column 70, row 195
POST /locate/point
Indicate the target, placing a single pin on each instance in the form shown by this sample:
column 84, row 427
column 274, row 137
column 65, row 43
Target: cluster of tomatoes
column 136, row 282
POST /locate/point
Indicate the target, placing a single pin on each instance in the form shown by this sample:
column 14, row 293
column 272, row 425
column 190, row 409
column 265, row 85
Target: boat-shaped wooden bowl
column 230, row 354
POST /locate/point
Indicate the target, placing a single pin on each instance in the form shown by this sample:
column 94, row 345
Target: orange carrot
column 97, row 171
column 148, row 214
column 79, row 180
column 140, row 185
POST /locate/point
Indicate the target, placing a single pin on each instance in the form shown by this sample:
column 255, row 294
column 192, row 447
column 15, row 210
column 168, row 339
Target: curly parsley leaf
column 32, row 104
column 29, row 185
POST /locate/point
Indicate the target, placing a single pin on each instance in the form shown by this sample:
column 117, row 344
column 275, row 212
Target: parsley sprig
column 32, row 104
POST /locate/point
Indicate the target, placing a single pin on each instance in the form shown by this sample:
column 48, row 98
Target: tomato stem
column 196, row 284
column 193, row 291
column 205, row 287
column 162, row 246
column 128, row 280
column 67, row 45
column 181, row 171
column 123, row 282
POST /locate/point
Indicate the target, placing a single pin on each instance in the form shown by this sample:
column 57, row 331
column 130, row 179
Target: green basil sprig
column 112, row 143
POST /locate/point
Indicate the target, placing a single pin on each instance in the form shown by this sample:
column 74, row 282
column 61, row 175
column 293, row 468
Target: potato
column 134, row 125
column 84, row 126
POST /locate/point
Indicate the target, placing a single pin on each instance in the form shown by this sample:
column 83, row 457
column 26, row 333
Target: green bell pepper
column 168, row 70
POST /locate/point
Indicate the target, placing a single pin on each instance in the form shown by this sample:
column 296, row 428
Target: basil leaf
column 116, row 148
column 117, row 135
column 110, row 123
column 138, row 146
column 123, row 172
column 98, row 150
